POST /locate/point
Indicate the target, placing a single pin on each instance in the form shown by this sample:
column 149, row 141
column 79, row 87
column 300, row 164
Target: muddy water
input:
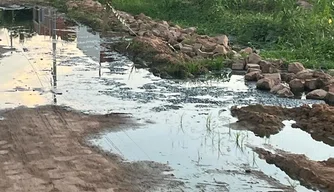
column 184, row 123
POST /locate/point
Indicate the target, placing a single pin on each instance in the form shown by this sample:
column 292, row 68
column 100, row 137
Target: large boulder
column 265, row 84
column 317, row 94
column 296, row 85
column 311, row 84
column 253, row 76
column 305, row 74
column 254, row 58
column 285, row 92
column 295, row 67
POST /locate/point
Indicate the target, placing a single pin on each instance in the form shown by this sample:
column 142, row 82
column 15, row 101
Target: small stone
column 265, row 84
column 238, row 65
column 189, row 30
column 317, row 94
column 222, row 40
column 285, row 92
column 331, row 72
column 296, row 85
column 186, row 49
column 207, row 46
column 276, row 77
column 252, row 69
column 329, row 88
column 277, row 87
column 220, row 49
column 305, row 74
column 247, row 51
column 156, row 32
column 141, row 33
column 178, row 46
column 311, row 84
column 321, row 74
column 287, row 77
column 205, row 54
column 330, row 98
column 253, row 76
column 250, row 65
column 254, row 58
column 197, row 46
column 266, row 67
column 295, row 67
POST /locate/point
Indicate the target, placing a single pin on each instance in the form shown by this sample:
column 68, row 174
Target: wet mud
column 44, row 149
column 317, row 120
column 316, row 175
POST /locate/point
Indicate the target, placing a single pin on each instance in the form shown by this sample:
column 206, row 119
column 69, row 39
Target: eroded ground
column 42, row 149
column 313, row 174
column 317, row 120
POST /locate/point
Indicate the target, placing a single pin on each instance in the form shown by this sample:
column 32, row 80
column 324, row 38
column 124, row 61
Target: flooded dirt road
column 182, row 124
column 42, row 150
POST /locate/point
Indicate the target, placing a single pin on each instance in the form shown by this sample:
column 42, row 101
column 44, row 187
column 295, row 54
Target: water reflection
column 30, row 29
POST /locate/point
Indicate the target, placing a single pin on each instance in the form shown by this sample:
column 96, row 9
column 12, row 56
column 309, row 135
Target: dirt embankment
column 317, row 120
column 312, row 174
column 43, row 149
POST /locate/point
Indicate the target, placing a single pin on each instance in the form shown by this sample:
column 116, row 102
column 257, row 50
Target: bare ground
column 312, row 174
column 43, row 149
column 317, row 120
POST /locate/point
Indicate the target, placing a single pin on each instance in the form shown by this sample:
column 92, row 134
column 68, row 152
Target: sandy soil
column 312, row 174
column 43, row 149
column 317, row 120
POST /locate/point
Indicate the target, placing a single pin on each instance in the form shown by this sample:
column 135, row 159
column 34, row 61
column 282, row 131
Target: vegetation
column 279, row 28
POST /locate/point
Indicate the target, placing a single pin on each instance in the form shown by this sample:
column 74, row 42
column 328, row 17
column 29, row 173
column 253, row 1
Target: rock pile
column 296, row 80
column 182, row 40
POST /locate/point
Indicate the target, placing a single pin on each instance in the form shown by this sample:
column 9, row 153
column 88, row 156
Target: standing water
column 184, row 124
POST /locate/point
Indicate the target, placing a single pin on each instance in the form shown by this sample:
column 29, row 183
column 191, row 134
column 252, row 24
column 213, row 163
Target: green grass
column 278, row 27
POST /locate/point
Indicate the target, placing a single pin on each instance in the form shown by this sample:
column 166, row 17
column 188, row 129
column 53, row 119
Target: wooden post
column 54, row 48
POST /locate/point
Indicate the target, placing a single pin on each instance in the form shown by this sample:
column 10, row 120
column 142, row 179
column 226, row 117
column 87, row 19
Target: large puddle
column 183, row 123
